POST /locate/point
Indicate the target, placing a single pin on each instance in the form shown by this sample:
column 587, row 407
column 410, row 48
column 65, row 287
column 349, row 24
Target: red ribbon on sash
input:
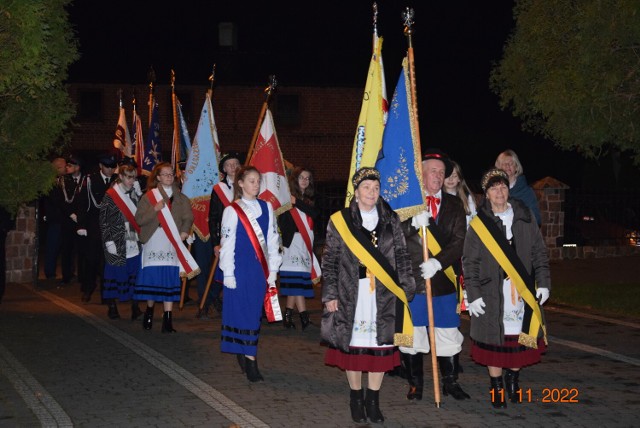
column 223, row 197
column 124, row 208
column 304, row 233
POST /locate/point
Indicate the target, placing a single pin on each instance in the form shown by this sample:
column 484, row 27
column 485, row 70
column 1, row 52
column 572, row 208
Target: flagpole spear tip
column 272, row 85
column 173, row 79
column 212, row 78
column 151, row 76
column 407, row 17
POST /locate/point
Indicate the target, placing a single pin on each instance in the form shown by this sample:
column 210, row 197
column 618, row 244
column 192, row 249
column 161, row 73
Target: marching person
column 300, row 268
column 165, row 218
column 250, row 259
column 88, row 228
column 70, row 186
column 446, row 227
column 221, row 197
column 506, row 266
column 509, row 162
column 367, row 282
column 120, row 236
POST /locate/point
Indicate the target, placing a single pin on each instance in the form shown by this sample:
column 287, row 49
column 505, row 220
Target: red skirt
column 364, row 359
column 510, row 354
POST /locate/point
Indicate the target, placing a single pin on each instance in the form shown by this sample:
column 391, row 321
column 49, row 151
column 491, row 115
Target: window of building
column 90, row 106
column 287, row 110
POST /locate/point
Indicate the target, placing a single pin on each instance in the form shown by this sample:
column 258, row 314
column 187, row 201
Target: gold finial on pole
column 212, row 80
column 407, row 17
column 151, row 76
column 268, row 91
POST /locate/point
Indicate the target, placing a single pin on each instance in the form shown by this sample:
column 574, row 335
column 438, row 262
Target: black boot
column 147, row 321
column 253, row 374
column 241, row 362
column 167, row 322
column 497, row 393
column 287, row 321
column 449, row 372
column 304, row 320
column 135, row 310
column 511, row 385
column 372, row 406
column 415, row 374
column 113, row 310
column 357, row 406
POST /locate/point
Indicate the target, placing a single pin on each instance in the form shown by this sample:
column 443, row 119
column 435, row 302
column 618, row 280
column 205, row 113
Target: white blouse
column 228, row 238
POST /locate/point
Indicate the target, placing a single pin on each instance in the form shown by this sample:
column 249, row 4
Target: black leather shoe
column 167, row 323
column 135, row 312
column 241, row 362
column 113, row 311
column 357, row 406
column 372, row 406
column 253, row 374
column 147, row 321
column 497, row 391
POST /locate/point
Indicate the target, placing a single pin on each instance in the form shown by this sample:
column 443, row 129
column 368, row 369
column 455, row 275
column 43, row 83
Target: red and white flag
column 267, row 158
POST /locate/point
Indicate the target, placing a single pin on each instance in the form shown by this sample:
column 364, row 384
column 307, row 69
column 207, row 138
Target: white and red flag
column 267, row 158
column 122, row 140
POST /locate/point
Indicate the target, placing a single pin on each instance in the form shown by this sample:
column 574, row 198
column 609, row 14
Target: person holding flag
column 165, row 218
column 250, row 259
column 446, row 228
column 221, row 197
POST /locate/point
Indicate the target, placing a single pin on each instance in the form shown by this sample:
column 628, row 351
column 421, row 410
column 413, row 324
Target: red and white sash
column 224, row 198
column 188, row 266
column 125, row 205
column 256, row 237
column 305, row 230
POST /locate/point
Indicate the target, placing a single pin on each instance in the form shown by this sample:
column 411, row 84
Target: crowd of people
column 379, row 277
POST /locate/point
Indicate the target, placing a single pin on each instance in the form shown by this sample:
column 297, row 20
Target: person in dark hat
column 221, row 197
column 70, row 186
column 507, row 278
column 88, row 228
column 366, row 277
column 446, row 222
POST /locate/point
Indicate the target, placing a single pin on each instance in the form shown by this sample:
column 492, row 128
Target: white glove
column 82, row 232
column 229, row 281
column 190, row 239
column 542, row 294
column 111, row 247
column 475, row 307
column 430, row 267
column 422, row 219
column 74, row 218
column 272, row 279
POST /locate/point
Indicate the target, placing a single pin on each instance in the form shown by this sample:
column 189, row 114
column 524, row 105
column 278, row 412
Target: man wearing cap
column 70, row 186
column 53, row 216
column 221, row 197
column 446, row 227
column 91, row 253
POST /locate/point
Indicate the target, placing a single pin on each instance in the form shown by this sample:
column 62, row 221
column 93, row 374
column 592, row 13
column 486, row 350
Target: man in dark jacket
column 92, row 254
column 446, row 230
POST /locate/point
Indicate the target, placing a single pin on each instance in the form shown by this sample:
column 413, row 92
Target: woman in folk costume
column 507, row 276
column 367, row 283
column 165, row 218
column 120, row 236
column 300, row 268
column 250, row 259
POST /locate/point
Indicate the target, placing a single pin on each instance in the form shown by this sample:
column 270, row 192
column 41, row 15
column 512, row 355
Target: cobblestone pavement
column 64, row 363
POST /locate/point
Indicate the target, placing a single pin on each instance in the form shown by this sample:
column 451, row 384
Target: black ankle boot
column 498, row 400
column 242, row 362
column 449, row 372
column 357, row 406
column 167, row 322
column 113, row 310
column 372, row 406
column 304, row 320
column 287, row 321
column 511, row 385
column 253, row 374
column 415, row 374
column 135, row 311
column 147, row 321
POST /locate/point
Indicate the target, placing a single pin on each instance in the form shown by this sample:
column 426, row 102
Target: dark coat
column 216, row 207
column 287, row 225
column 483, row 275
column 340, row 276
column 113, row 229
column 90, row 199
column 450, row 230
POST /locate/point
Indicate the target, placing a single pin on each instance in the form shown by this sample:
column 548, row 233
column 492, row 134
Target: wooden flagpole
column 268, row 91
column 407, row 16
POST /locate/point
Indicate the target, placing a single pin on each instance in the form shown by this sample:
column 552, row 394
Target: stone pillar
column 20, row 247
column 551, row 196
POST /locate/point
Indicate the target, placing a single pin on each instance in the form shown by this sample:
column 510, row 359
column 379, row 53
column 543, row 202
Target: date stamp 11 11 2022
column 547, row 395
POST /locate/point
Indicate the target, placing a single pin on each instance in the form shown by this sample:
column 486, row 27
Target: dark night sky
column 455, row 44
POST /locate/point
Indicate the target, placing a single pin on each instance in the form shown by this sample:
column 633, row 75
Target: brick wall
column 20, row 247
column 322, row 139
